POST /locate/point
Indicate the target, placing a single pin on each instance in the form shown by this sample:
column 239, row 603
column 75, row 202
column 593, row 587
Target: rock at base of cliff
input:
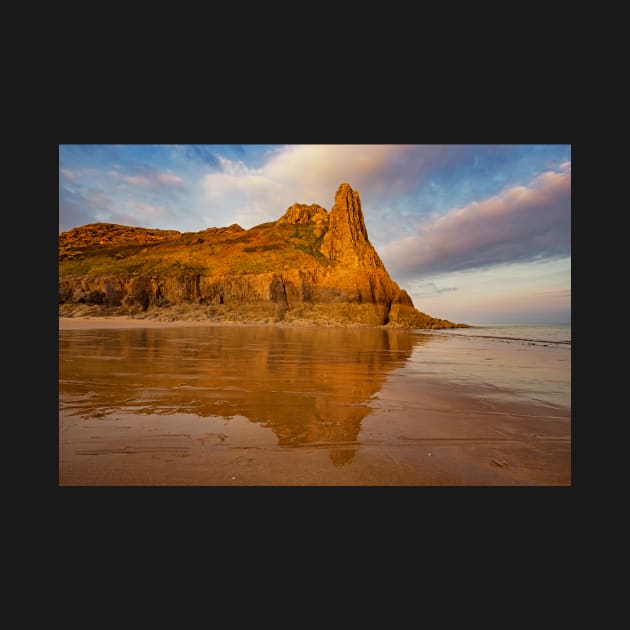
column 341, row 314
column 405, row 316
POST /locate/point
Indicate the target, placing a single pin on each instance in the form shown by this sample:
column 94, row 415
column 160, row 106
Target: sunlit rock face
column 309, row 266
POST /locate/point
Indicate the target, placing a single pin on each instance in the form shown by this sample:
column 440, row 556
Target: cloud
column 140, row 180
column 68, row 174
column 511, row 292
column 430, row 289
column 151, row 179
column 71, row 209
column 312, row 173
column 521, row 223
column 79, row 206
column 196, row 153
column 377, row 171
column 98, row 199
column 169, row 179
column 147, row 209
column 247, row 195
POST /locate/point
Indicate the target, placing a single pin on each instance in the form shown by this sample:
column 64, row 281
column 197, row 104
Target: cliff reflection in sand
column 309, row 385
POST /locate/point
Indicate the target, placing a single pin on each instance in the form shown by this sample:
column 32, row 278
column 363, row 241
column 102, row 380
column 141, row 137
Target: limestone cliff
column 310, row 266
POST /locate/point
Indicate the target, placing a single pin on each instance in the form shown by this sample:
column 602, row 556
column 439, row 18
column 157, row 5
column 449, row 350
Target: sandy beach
column 188, row 403
column 118, row 322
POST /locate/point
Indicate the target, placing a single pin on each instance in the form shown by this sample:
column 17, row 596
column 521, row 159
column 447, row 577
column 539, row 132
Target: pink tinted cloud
column 151, row 180
column 169, row 179
column 147, row 209
column 139, row 180
column 520, row 223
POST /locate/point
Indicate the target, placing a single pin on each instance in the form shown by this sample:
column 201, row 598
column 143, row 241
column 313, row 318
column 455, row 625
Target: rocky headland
column 310, row 266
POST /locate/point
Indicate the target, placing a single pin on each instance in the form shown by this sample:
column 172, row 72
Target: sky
column 479, row 234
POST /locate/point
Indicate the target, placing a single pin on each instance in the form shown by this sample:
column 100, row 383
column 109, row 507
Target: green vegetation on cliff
column 310, row 265
column 264, row 248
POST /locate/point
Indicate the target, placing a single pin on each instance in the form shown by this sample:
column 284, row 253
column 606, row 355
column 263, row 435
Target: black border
column 379, row 516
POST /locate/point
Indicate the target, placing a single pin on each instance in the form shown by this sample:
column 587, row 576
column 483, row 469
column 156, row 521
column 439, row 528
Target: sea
column 529, row 333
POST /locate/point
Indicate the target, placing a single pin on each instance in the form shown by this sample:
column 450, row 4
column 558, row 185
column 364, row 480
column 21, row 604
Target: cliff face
column 308, row 266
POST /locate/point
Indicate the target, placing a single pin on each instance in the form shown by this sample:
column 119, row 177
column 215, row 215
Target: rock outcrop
column 310, row 266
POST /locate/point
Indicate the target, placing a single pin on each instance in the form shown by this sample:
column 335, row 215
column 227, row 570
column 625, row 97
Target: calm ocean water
column 533, row 333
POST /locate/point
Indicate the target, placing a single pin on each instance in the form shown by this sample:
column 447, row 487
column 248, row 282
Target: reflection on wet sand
column 268, row 405
column 309, row 386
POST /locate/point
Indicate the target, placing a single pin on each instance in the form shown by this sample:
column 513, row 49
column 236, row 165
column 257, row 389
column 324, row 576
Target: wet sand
column 193, row 404
column 118, row 322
